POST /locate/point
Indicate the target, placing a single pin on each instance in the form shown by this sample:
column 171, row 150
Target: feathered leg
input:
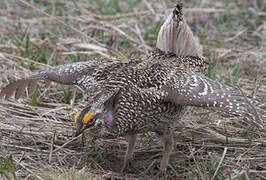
column 167, row 140
column 130, row 150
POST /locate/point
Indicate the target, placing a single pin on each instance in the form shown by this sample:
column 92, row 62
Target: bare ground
column 39, row 34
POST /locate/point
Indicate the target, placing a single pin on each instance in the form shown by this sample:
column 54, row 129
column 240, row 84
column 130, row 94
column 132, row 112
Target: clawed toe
column 128, row 164
column 160, row 175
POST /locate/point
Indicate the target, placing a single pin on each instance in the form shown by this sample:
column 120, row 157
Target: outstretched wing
column 82, row 74
column 64, row 74
column 192, row 89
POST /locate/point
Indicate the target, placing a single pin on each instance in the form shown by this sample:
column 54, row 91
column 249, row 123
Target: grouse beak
column 78, row 132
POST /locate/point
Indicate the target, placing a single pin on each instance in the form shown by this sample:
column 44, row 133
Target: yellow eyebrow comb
column 87, row 117
column 76, row 117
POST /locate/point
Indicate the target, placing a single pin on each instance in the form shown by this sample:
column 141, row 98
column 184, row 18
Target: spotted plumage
column 135, row 96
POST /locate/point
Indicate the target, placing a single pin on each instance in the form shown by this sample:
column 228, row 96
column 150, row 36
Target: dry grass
column 39, row 34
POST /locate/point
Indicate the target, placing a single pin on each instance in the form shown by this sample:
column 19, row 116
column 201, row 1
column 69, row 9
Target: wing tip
column 17, row 87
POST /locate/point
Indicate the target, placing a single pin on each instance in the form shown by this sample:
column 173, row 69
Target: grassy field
column 36, row 132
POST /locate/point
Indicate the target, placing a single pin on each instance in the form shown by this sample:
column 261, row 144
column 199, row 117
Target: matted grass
column 36, row 132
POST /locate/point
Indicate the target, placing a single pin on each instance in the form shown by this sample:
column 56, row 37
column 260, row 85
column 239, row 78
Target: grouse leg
column 130, row 149
column 167, row 140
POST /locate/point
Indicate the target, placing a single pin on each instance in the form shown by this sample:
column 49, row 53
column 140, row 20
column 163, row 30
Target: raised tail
column 176, row 37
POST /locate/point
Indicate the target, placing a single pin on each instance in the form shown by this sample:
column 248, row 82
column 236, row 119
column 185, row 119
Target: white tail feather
column 176, row 37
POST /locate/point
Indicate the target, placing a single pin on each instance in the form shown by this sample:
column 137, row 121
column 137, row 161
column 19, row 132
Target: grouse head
column 99, row 117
